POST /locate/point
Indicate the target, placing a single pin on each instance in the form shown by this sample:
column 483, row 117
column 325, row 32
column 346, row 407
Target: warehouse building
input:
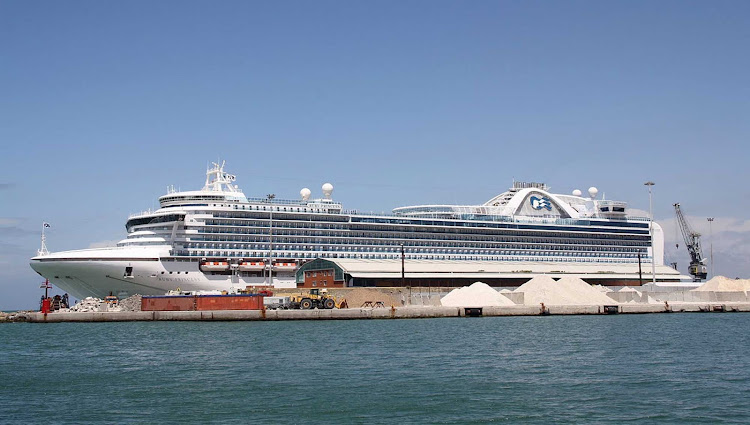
column 348, row 272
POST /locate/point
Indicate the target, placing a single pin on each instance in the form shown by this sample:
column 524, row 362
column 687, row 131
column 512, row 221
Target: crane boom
column 693, row 242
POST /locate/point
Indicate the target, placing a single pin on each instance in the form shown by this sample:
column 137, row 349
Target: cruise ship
column 216, row 238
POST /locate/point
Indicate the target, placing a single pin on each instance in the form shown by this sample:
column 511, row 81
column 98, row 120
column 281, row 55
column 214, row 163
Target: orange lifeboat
column 285, row 265
column 214, row 266
column 251, row 266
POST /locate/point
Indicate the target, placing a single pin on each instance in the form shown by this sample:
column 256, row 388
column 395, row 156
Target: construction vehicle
column 317, row 298
column 692, row 239
column 276, row 303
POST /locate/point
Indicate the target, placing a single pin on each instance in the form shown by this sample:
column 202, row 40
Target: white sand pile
column 566, row 291
column 629, row 289
column 601, row 288
column 636, row 296
column 586, row 292
column 721, row 283
column 479, row 294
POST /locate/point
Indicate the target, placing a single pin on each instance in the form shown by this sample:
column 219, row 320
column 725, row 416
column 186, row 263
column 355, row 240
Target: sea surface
column 654, row 368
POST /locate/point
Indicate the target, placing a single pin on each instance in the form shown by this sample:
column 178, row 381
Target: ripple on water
column 638, row 369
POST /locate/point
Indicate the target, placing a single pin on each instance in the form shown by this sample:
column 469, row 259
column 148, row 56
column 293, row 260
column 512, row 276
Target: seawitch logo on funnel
column 541, row 203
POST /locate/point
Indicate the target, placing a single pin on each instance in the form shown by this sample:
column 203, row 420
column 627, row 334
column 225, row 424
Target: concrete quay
column 376, row 313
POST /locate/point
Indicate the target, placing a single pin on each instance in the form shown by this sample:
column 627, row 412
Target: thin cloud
column 103, row 244
column 12, row 231
column 720, row 225
column 730, row 238
column 8, row 221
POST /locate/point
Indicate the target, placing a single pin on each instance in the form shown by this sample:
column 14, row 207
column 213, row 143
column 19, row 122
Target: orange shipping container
column 229, row 302
column 168, row 303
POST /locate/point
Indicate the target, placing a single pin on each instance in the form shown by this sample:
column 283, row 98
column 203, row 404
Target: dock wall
column 681, row 296
column 377, row 313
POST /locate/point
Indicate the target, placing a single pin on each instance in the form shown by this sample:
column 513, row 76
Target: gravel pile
column 478, row 294
column 131, row 303
column 19, row 316
column 566, row 291
column 88, row 305
column 91, row 304
column 358, row 296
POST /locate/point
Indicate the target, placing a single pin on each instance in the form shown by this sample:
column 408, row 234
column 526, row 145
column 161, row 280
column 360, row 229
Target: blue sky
column 104, row 104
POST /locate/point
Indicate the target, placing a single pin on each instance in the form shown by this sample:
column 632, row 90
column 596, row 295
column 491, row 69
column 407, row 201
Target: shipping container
column 229, row 302
column 202, row 302
column 168, row 303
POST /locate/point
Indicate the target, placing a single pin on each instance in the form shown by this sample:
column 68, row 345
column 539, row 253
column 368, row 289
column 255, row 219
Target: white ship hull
column 101, row 272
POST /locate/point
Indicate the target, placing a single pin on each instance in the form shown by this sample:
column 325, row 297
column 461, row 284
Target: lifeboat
column 214, row 266
column 285, row 265
column 249, row 266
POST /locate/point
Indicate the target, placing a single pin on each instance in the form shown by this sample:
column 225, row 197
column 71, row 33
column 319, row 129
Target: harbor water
column 666, row 368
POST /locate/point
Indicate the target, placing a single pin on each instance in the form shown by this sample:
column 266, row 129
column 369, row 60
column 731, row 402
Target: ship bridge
column 219, row 187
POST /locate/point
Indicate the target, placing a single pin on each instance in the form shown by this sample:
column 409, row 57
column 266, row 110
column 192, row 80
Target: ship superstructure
column 217, row 238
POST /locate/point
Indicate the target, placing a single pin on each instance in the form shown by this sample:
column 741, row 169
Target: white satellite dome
column 593, row 192
column 327, row 190
column 305, row 194
column 577, row 192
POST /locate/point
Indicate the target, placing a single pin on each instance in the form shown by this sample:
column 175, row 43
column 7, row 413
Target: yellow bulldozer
column 317, row 298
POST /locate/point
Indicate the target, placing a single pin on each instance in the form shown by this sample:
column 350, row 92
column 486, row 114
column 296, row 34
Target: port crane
column 693, row 242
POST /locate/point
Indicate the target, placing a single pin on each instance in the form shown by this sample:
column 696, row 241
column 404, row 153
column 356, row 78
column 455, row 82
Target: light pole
column 402, row 265
column 270, row 197
column 402, row 272
column 651, row 231
column 640, row 270
column 711, row 237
